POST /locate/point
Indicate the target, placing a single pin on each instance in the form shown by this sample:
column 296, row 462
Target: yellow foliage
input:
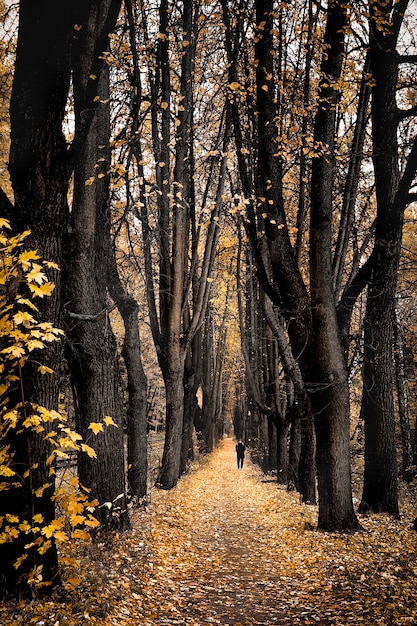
column 20, row 335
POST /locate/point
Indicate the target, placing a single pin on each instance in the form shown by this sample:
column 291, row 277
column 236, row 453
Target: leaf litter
column 231, row 547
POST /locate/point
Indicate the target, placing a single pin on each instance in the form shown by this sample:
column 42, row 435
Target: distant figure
column 240, row 453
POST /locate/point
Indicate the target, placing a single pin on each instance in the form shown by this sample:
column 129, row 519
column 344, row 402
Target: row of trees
column 210, row 169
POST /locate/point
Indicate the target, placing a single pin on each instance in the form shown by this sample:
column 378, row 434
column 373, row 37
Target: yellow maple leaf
column 60, row 536
column 26, row 257
column 109, row 421
column 50, row 530
column 36, row 274
column 92, row 522
column 21, row 317
column 76, row 519
column 78, row 533
column 88, row 450
column 51, row 264
column 44, row 290
column 16, row 351
column 34, row 344
column 96, row 427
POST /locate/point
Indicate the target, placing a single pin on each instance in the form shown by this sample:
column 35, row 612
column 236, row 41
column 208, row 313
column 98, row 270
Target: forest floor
column 229, row 546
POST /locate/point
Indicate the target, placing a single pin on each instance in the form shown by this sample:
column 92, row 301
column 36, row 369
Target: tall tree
column 312, row 326
column 380, row 492
column 330, row 393
column 266, row 216
column 40, row 175
column 178, row 292
column 93, row 355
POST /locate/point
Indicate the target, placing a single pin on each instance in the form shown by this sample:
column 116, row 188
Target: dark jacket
column 240, row 450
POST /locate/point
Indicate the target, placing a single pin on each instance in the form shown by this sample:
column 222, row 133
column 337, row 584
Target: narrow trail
column 231, row 547
column 215, row 547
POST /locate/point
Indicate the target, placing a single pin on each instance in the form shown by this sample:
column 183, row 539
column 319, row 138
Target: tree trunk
column 380, row 490
column 93, row 353
column 408, row 471
column 40, row 177
column 329, row 392
column 277, row 449
column 137, row 420
column 171, row 458
column 176, row 345
column 192, row 378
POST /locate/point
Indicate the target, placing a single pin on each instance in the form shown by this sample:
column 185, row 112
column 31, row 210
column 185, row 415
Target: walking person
column 240, row 453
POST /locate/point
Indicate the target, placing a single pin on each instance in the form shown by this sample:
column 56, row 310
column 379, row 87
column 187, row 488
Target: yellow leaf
column 76, row 520
column 20, row 560
column 23, row 316
column 234, row 86
column 61, row 454
column 50, row 530
column 33, row 344
column 96, row 427
column 43, row 290
column 6, row 471
column 16, row 351
column 164, row 105
column 29, row 255
column 88, row 450
column 109, row 421
column 51, row 264
column 92, row 522
column 90, row 181
column 43, row 369
column 39, row 492
column 36, row 274
column 78, row 533
column 60, row 536
column 25, row 527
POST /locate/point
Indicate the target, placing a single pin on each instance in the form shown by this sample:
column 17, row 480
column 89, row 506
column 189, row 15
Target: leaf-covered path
column 229, row 546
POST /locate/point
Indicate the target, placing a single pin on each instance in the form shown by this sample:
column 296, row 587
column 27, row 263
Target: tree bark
column 93, row 353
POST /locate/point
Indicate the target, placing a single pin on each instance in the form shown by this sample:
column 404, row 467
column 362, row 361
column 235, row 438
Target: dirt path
column 218, row 558
column 230, row 547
